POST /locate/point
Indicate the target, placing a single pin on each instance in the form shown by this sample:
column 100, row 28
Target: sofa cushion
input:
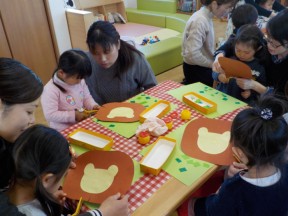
column 168, row 6
column 176, row 22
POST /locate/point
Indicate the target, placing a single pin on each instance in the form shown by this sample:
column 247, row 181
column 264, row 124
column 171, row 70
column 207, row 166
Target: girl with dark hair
column 277, row 62
column 41, row 159
column 248, row 47
column 66, row 94
column 259, row 137
column 119, row 70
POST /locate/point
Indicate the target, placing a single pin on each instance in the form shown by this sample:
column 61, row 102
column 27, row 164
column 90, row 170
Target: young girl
column 66, row 94
column 41, row 158
column 259, row 136
column 248, row 47
column 198, row 44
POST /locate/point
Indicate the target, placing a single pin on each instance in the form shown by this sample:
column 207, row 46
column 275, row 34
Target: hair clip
column 266, row 114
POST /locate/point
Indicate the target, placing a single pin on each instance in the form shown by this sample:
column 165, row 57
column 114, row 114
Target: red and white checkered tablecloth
column 142, row 189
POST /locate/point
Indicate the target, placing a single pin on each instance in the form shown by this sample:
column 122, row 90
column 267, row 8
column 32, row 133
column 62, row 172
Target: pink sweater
column 59, row 108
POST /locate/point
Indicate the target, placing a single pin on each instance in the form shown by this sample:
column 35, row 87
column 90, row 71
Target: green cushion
column 169, row 6
column 163, row 55
column 177, row 22
column 144, row 17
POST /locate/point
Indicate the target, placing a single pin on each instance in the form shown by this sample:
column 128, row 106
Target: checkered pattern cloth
column 142, row 189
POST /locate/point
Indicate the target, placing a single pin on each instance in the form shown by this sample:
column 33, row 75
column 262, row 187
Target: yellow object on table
column 185, row 114
column 143, row 137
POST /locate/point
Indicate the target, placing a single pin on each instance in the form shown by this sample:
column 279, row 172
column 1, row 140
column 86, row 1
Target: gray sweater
column 105, row 87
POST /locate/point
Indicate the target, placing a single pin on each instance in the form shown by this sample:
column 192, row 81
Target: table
column 153, row 195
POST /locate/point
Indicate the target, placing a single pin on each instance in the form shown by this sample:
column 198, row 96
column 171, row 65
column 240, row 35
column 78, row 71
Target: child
column 267, row 5
column 41, row 158
column 198, row 41
column 248, row 48
column 66, row 94
column 259, row 136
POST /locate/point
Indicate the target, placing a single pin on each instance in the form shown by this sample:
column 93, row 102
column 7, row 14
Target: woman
column 119, row 70
column 276, row 64
column 20, row 90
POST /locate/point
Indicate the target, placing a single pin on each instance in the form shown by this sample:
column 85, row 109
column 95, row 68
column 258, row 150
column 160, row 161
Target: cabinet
column 25, row 35
column 79, row 20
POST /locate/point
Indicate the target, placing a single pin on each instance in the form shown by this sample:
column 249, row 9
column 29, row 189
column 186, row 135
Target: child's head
column 219, row 8
column 266, row 4
column 261, row 133
column 244, row 14
column 248, row 41
column 41, row 156
column 73, row 66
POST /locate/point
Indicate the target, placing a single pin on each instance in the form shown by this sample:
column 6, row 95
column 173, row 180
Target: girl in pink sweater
column 66, row 94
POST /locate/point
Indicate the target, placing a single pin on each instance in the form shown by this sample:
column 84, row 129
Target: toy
column 174, row 115
column 143, row 137
column 185, row 114
column 169, row 122
column 150, row 40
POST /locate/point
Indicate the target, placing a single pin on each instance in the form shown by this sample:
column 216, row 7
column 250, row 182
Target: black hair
column 277, row 27
column 244, row 14
column 219, row 2
column 105, row 34
column 18, row 83
column 252, row 36
column 262, row 133
column 73, row 62
column 40, row 150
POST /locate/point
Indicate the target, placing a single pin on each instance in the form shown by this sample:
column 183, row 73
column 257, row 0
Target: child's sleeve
column 215, row 76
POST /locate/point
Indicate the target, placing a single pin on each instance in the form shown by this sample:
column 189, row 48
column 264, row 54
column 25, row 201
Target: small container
column 158, row 110
column 143, row 137
column 169, row 122
column 185, row 114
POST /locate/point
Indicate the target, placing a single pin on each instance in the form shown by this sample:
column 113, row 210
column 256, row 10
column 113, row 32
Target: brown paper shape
column 213, row 136
column 103, row 161
column 125, row 116
column 235, row 68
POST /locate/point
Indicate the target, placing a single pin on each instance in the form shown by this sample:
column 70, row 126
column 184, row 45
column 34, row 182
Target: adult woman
column 119, row 70
column 20, row 90
column 277, row 63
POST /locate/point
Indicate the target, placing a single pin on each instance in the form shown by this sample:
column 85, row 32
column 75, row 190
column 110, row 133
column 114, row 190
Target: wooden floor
column 175, row 74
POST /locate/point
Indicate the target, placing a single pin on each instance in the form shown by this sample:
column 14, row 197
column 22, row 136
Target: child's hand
column 115, row 205
column 96, row 107
column 216, row 65
column 234, row 169
column 79, row 116
column 246, row 94
column 222, row 78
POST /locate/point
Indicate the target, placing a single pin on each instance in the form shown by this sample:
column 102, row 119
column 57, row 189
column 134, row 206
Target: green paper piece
column 128, row 129
column 172, row 167
column 224, row 106
column 178, row 160
column 183, row 169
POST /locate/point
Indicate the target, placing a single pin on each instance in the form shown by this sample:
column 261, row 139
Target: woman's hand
column 245, row 84
column 115, row 205
column 222, row 78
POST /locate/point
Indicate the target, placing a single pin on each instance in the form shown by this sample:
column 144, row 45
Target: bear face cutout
column 212, row 143
column 208, row 140
column 120, row 112
column 99, row 174
column 97, row 180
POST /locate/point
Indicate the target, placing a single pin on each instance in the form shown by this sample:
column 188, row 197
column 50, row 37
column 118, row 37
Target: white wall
column 130, row 3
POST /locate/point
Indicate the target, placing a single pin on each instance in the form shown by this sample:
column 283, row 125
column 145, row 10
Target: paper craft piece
column 158, row 110
column 199, row 102
column 208, row 140
column 90, row 140
column 225, row 103
column 235, row 68
column 120, row 112
column 158, row 155
column 99, row 174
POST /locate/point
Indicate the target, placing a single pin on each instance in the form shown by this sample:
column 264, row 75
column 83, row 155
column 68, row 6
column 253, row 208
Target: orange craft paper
column 101, row 160
column 195, row 132
column 235, row 68
column 106, row 109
